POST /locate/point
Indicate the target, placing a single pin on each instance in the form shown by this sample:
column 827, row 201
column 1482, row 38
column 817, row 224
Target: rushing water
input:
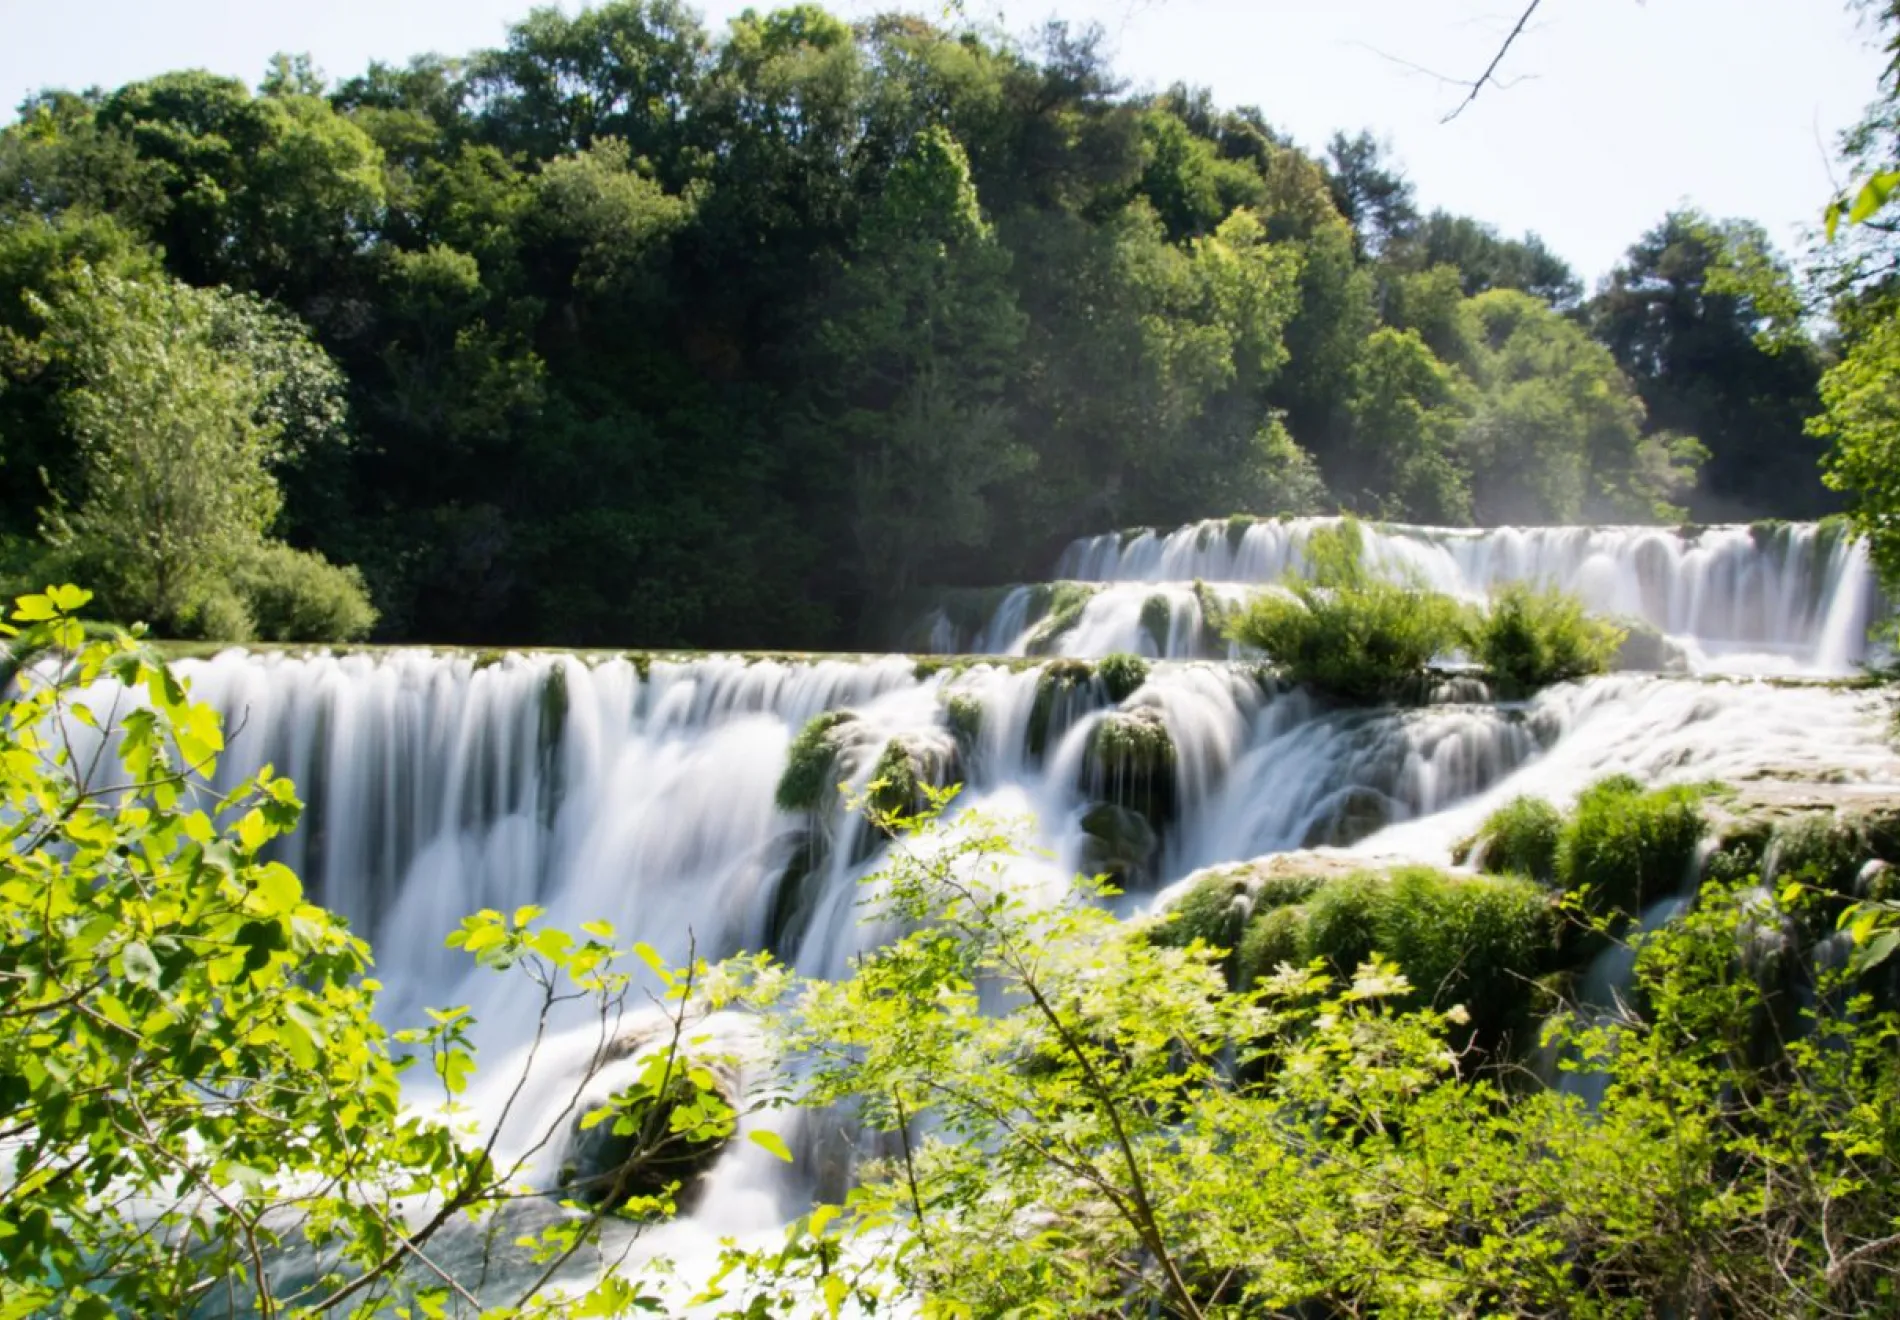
column 1774, row 598
column 645, row 794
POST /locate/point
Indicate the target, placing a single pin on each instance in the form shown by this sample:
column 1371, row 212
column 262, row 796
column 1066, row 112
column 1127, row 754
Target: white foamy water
column 1792, row 598
column 596, row 791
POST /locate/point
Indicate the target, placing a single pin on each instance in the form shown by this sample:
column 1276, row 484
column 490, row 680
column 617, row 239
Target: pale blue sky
column 1620, row 110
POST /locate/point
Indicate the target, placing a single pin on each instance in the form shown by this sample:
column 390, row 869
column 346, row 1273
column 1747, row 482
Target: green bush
column 1530, row 638
column 299, row 596
column 223, row 615
column 1630, row 847
column 1519, row 838
column 1213, row 910
column 1471, row 940
column 1339, row 630
column 1157, row 620
column 1121, row 674
column 1362, row 643
column 964, row 714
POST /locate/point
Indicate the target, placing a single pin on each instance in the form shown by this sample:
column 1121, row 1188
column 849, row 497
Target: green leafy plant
column 1340, row 631
column 195, row 1090
column 1529, row 638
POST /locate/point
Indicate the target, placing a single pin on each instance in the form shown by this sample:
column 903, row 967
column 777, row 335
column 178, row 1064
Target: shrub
column 299, row 596
column 1630, row 847
column 1121, row 674
column 1213, row 910
column 1531, row 638
column 1359, row 643
column 1519, row 838
column 1468, row 940
column 1339, row 630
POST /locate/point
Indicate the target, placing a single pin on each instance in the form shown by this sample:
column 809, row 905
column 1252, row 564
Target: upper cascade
column 1771, row 597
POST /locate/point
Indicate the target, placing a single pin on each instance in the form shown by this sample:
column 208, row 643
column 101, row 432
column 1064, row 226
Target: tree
column 1407, row 411
column 921, row 344
column 201, row 1108
column 177, row 481
column 1688, row 333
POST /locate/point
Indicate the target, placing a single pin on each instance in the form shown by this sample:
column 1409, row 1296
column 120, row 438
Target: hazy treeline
column 629, row 332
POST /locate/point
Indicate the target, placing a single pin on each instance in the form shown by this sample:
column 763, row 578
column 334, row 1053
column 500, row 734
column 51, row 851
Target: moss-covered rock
column 1122, row 674
column 1063, row 603
column 1238, row 525
column 1130, row 762
column 1119, row 844
column 1356, row 814
column 636, row 1153
column 811, row 766
column 1645, row 650
column 1214, row 618
column 1064, row 690
column 1157, row 620
column 1519, row 838
column 963, row 713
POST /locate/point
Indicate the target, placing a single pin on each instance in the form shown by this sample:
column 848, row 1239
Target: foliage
column 811, row 763
column 1630, row 847
column 1090, row 1145
column 1521, row 837
column 658, row 336
column 1530, row 638
column 297, row 596
column 1343, row 632
column 194, row 1086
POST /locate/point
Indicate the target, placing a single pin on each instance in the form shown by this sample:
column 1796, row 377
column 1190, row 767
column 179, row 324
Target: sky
column 1609, row 113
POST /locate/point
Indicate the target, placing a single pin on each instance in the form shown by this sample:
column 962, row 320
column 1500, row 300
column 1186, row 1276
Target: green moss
column 1519, row 838
column 1131, row 762
column 1157, row 620
column 1066, row 601
column 1826, row 851
column 1213, row 910
column 1769, row 533
column 487, row 659
column 642, row 663
column 897, row 779
column 1630, row 847
column 1129, row 535
column 964, row 715
column 1214, row 618
column 1275, row 936
column 1060, row 679
column 811, row 765
column 1237, row 528
column 1122, row 674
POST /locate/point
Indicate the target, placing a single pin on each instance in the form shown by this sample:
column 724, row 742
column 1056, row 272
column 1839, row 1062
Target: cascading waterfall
column 1762, row 598
column 644, row 792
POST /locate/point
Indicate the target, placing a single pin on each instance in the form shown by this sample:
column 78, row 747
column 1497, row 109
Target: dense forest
column 632, row 333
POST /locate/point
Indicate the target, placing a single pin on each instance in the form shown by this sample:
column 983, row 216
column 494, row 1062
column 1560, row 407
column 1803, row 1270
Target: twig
column 1491, row 69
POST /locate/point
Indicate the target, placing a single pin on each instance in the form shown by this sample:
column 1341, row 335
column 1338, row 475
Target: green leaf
column 1876, row 950
column 771, row 1141
column 139, row 964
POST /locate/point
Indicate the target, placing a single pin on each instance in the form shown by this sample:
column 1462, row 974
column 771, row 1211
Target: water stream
column 644, row 794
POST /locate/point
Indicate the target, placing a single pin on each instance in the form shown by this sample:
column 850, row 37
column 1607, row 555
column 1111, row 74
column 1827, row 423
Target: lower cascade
column 695, row 802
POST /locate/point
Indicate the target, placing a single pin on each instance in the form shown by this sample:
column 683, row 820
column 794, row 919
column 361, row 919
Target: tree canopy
column 650, row 334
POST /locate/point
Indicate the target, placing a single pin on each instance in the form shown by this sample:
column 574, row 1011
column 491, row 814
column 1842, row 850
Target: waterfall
column 1761, row 598
column 644, row 794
